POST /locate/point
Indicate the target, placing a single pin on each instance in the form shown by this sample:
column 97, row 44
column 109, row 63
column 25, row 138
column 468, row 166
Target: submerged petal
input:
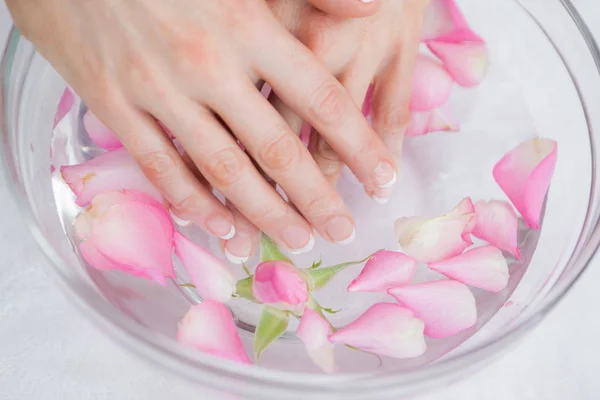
column 482, row 267
column 467, row 62
column 497, row 224
column 314, row 331
column 384, row 270
column 440, row 119
column 114, row 170
column 100, row 134
column 209, row 328
column 446, row 307
column 212, row 277
column 64, row 106
column 385, row 329
column 432, row 84
column 524, row 174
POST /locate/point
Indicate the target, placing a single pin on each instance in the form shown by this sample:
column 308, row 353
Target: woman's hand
column 190, row 64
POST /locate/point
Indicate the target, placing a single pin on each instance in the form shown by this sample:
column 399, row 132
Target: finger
column 229, row 170
column 347, row 8
column 246, row 240
column 306, row 86
column 283, row 157
column 162, row 164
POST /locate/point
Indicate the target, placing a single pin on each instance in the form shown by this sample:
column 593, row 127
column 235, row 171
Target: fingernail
column 367, row 1
column 305, row 249
column 341, row 230
column 179, row 221
column 221, row 227
column 381, row 200
column 381, row 196
column 298, row 239
column 238, row 249
column 384, row 176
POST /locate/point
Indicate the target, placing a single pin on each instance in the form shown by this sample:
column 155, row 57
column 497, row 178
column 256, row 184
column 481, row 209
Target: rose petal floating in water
column 314, row 331
column 432, row 84
column 497, row 223
column 64, row 106
column 446, row 307
column 208, row 327
column 482, row 267
column 211, row 277
column 386, row 329
column 114, row 170
column 465, row 207
column 100, row 134
column 439, row 119
column 280, row 284
column 384, row 270
column 524, row 174
column 128, row 231
column 429, row 239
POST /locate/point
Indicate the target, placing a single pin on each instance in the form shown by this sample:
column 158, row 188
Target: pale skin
column 194, row 65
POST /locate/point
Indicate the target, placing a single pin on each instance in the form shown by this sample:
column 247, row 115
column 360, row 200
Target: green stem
column 270, row 252
column 321, row 276
column 243, row 289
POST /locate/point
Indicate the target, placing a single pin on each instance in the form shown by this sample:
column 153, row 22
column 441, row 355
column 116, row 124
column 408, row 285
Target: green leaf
column 243, row 288
column 269, row 250
column 272, row 324
column 190, row 285
column 317, row 264
column 246, row 269
column 331, row 310
column 320, row 277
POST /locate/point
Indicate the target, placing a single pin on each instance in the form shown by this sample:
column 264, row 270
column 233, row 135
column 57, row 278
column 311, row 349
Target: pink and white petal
column 384, row 270
column 314, row 331
column 100, row 134
column 419, row 123
column 467, row 62
column 432, row 84
column 208, row 327
column 279, row 283
column 463, row 208
column 114, row 170
column 524, row 174
column 212, row 277
column 82, row 225
column 446, row 307
column 64, row 106
column 386, row 329
column 440, row 119
column 445, row 21
column 497, row 224
column 482, row 267
column 432, row 239
column 136, row 234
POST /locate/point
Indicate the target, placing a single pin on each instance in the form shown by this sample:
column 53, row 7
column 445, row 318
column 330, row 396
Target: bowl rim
column 224, row 374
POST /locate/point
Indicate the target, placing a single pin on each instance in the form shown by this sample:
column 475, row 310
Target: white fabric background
column 49, row 351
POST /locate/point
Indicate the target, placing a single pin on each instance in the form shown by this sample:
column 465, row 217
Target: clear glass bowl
column 543, row 81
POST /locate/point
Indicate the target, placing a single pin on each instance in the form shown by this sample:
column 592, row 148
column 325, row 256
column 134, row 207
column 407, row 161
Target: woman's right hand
column 189, row 64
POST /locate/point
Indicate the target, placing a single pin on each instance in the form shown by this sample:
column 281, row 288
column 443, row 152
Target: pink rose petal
column 212, row 278
column 100, row 134
column 429, row 239
column 524, row 174
column 497, row 223
column 446, row 307
column 385, row 329
column 384, row 270
column 279, row 283
column 64, row 106
column 432, row 84
column 466, row 207
column 482, row 267
column 314, row 331
column 466, row 62
column 208, row 327
column 440, row 119
column 114, row 170
column 127, row 234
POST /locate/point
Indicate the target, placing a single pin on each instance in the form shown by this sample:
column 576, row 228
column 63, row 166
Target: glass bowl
column 543, row 81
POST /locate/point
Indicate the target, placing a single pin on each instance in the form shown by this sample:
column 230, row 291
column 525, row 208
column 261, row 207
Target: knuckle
column 267, row 215
column 325, row 151
column 324, row 205
column 329, row 103
column 226, row 166
column 158, row 166
column 281, row 152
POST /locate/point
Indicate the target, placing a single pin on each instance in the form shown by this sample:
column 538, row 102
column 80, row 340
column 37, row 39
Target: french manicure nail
column 381, row 200
column 234, row 259
column 384, row 175
column 297, row 238
column 238, row 249
column 179, row 221
column 309, row 246
column 340, row 230
column 221, row 227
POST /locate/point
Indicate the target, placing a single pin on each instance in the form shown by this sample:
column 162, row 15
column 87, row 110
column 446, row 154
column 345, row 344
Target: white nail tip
column 349, row 239
column 381, row 200
column 309, row 246
column 181, row 222
column 230, row 234
column 234, row 259
column 390, row 183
